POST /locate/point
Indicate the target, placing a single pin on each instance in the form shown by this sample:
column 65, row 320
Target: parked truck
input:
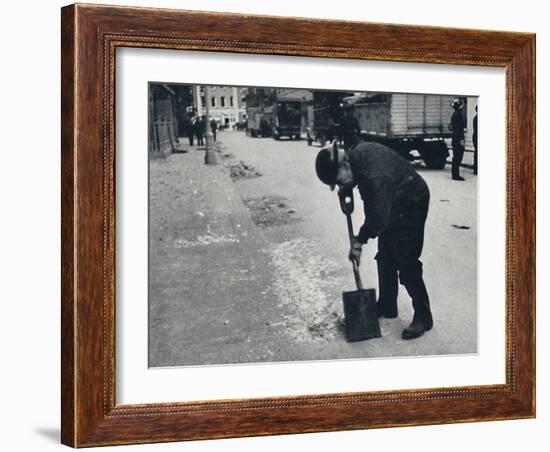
column 406, row 122
column 287, row 119
column 259, row 121
column 275, row 112
column 259, row 112
column 327, row 116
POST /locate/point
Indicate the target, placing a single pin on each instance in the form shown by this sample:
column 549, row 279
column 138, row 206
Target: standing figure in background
column 213, row 128
column 189, row 131
column 457, row 128
column 199, row 127
column 349, row 129
column 474, row 139
column 265, row 129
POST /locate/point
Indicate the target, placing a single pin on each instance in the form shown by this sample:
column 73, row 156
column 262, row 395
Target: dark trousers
column 398, row 258
column 190, row 136
column 458, row 155
column 200, row 139
column 475, row 155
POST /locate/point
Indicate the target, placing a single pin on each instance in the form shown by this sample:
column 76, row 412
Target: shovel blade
column 361, row 317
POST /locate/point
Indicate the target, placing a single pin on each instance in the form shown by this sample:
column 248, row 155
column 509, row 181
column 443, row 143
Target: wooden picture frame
column 90, row 36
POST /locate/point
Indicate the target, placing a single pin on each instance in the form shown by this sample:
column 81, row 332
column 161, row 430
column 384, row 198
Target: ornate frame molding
column 90, row 37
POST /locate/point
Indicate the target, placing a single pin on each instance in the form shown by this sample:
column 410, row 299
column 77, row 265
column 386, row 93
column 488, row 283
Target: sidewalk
column 202, row 243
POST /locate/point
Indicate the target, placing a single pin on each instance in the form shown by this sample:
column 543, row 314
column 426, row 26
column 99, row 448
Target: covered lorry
column 406, row 122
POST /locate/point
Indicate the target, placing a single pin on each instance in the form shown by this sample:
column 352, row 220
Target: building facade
column 227, row 105
column 163, row 133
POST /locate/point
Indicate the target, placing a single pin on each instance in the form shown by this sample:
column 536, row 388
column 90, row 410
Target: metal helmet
column 326, row 165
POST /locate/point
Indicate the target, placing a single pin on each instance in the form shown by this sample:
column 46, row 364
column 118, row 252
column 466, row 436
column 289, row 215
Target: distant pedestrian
column 264, row 127
column 474, row 139
column 189, row 130
column 457, row 128
column 199, row 126
column 213, row 128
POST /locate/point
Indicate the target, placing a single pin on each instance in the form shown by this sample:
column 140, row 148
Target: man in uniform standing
column 457, row 127
column 349, row 128
column 396, row 201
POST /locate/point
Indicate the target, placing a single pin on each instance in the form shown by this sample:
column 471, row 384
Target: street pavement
column 248, row 260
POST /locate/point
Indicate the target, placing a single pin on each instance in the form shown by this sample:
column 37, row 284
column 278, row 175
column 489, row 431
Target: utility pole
column 210, row 158
column 197, row 100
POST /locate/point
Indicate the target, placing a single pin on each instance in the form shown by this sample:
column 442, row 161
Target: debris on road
column 203, row 240
column 240, row 170
column 270, row 211
column 306, row 285
column 456, row 226
column 328, row 329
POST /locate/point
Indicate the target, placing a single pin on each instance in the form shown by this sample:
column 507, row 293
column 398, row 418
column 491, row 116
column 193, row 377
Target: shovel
column 361, row 316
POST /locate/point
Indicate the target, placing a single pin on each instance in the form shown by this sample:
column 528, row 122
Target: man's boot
column 388, row 288
column 422, row 319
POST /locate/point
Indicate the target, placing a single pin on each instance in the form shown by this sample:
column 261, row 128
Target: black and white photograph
column 298, row 224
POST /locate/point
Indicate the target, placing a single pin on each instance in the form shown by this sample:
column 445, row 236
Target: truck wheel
column 434, row 154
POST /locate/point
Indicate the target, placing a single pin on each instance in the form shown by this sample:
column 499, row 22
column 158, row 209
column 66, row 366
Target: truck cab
column 287, row 119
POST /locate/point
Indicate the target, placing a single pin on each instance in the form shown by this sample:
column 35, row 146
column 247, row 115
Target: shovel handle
column 358, row 281
column 346, row 202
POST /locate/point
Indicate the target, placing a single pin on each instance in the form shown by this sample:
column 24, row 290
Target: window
column 231, row 101
column 222, row 101
column 213, row 101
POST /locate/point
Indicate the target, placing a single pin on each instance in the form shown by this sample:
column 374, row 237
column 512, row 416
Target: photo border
column 136, row 383
column 90, row 36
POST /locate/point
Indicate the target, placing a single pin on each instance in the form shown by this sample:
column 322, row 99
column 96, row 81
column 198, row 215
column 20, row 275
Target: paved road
column 252, row 269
